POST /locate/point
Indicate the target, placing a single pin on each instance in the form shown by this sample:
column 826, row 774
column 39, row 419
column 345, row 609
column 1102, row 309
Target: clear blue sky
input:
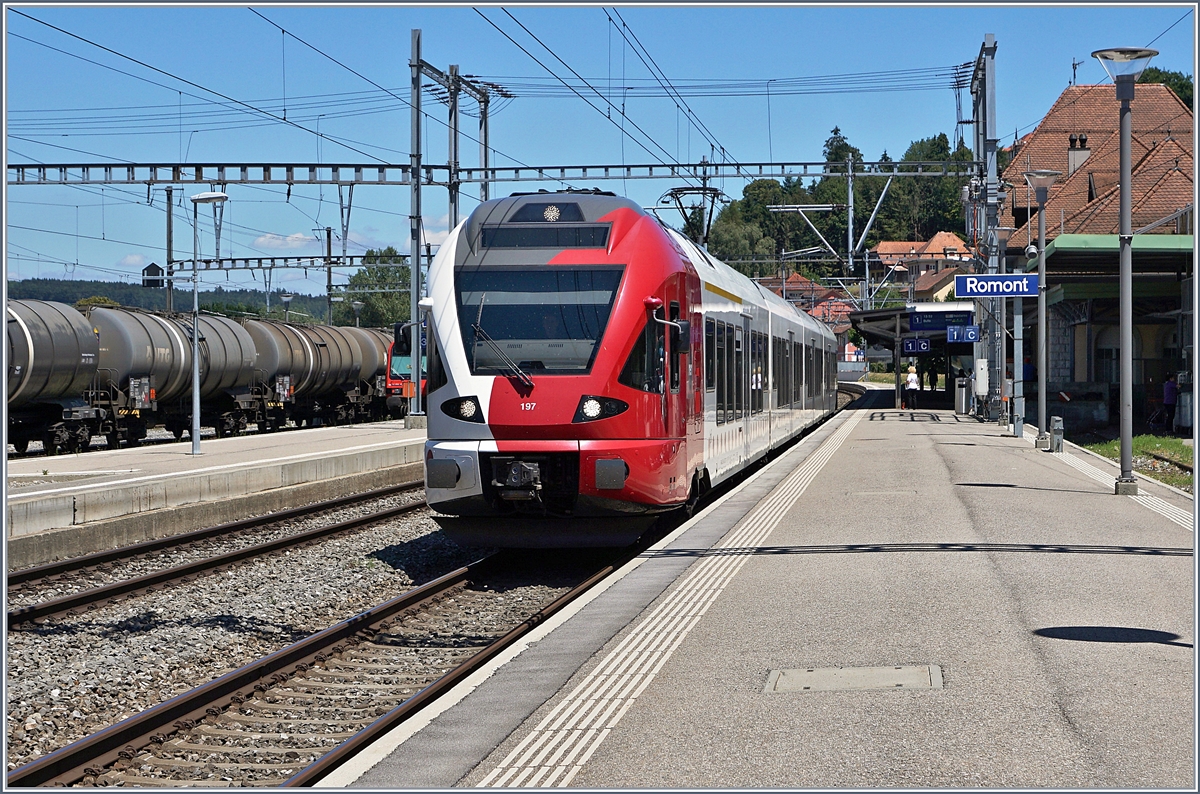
column 55, row 100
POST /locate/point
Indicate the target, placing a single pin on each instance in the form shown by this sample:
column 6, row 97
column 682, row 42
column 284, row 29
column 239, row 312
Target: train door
column 677, row 360
column 742, row 382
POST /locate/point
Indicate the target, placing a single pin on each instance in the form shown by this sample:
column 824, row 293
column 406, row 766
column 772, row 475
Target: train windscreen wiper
column 511, row 365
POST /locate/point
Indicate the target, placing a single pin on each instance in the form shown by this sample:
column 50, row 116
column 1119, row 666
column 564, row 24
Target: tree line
column 380, row 309
column 915, row 208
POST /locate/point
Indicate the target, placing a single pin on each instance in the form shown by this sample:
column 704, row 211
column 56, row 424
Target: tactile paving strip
column 554, row 752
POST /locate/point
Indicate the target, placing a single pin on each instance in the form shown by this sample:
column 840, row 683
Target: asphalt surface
column 1061, row 617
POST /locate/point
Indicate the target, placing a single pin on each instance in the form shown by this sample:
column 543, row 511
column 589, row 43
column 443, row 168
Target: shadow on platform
column 868, row 548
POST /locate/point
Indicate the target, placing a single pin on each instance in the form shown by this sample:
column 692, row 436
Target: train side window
column 710, row 355
column 738, row 370
column 821, row 368
column 643, row 369
column 797, row 373
column 785, row 372
column 720, row 373
column 676, row 361
column 811, row 363
column 435, row 378
column 756, row 372
column 777, row 384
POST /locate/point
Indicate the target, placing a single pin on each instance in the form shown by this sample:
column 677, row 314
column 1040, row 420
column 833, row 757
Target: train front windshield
column 546, row 320
column 402, row 366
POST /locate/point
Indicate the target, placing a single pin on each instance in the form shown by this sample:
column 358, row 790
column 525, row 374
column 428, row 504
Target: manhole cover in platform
column 831, row 679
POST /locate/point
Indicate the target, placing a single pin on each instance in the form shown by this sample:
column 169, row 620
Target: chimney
column 1077, row 156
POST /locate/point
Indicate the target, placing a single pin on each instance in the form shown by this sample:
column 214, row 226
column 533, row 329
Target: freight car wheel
column 21, row 446
column 113, row 440
column 50, row 443
column 81, row 440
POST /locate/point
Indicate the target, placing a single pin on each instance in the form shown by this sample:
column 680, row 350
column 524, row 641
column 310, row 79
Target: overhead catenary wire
column 662, row 79
column 576, row 92
column 391, row 93
column 248, row 106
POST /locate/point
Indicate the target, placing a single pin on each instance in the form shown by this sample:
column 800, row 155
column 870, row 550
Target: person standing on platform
column 912, row 386
column 932, row 371
column 1170, row 398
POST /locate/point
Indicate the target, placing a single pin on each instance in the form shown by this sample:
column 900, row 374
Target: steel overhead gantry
column 985, row 197
column 290, row 174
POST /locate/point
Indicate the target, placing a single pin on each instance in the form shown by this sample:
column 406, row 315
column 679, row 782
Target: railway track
column 61, row 572
column 293, row 716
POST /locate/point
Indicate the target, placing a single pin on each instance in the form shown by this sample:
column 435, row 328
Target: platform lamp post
column 287, row 306
column 357, row 306
column 213, row 198
column 1017, row 398
column 1124, row 65
column 1041, row 181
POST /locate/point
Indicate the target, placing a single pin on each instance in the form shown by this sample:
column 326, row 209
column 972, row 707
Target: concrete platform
column 1040, row 629
column 73, row 504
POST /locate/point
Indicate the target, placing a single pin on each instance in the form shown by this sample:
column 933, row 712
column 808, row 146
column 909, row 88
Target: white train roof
column 713, row 271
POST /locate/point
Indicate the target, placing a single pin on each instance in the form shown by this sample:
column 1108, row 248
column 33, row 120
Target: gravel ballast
column 74, row 676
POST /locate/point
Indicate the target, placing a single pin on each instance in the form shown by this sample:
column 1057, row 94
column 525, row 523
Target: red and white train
column 592, row 367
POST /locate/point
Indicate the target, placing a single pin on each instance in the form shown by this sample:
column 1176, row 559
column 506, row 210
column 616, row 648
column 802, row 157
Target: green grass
column 1165, row 446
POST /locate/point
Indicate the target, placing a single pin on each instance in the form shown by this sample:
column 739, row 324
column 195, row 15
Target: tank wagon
column 590, row 367
column 117, row 372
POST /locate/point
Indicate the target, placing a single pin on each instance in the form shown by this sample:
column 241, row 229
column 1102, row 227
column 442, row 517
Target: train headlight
column 592, row 408
column 465, row 409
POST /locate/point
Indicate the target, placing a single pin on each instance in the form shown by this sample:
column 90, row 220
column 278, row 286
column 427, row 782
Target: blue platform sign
column 913, row 346
column 962, row 333
column 1011, row 285
column 937, row 321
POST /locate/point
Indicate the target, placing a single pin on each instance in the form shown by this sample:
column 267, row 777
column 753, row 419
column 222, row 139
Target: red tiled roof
column 933, row 281
column 892, row 251
column 1162, row 131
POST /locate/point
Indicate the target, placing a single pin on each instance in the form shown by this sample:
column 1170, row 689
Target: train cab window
column 676, row 361
column 547, row 320
column 643, row 369
column 722, row 392
column 710, row 355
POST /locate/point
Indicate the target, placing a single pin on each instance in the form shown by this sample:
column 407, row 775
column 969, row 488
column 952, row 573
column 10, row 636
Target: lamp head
column 286, row 299
column 1041, row 179
column 1124, row 62
column 1031, row 251
column 214, row 197
column 1002, row 235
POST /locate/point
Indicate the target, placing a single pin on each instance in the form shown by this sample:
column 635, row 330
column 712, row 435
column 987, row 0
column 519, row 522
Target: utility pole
column 453, row 83
column 850, row 230
column 452, row 146
column 329, row 275
column 170, row 248
column 414, row 219
column 483, row 144
column 983, row 93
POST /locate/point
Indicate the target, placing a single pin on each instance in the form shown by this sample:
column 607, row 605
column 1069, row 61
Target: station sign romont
column 1011, row 285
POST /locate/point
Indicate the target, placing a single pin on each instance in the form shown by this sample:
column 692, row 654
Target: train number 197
column 528, row 406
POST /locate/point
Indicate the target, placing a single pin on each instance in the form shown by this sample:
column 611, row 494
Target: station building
column 1080, row 138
